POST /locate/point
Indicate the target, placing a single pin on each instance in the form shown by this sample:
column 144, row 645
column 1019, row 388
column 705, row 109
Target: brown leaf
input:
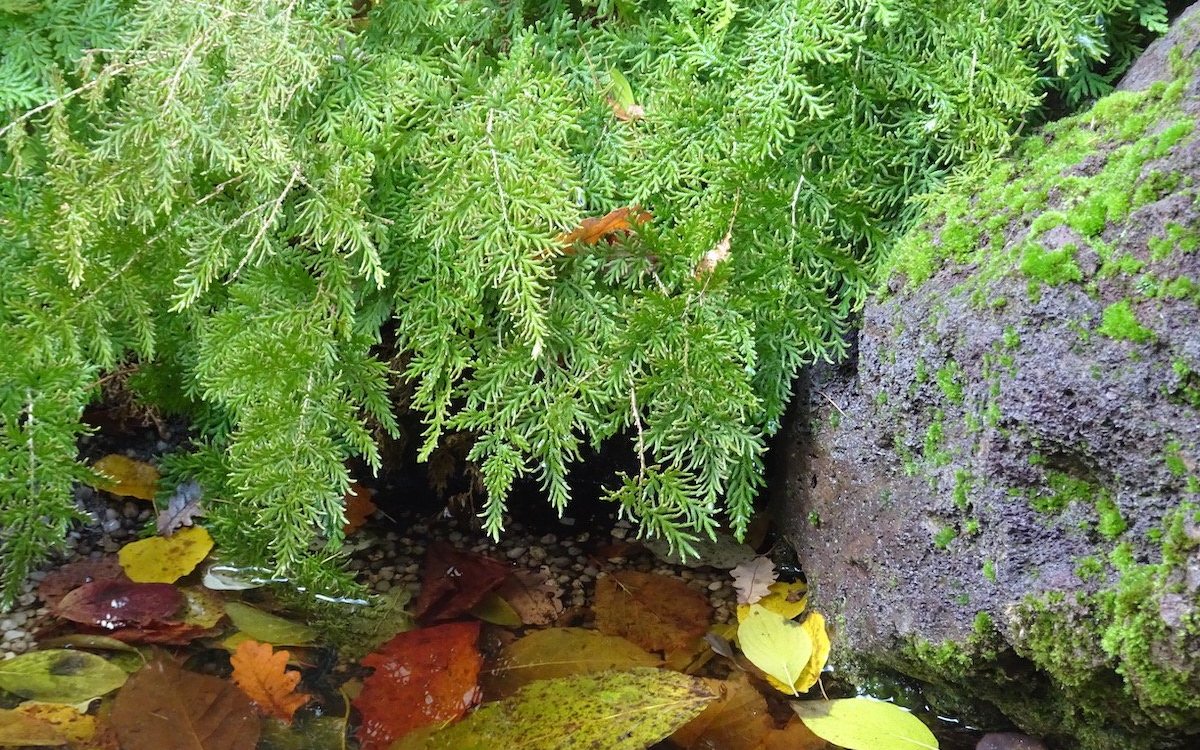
column 359, row 506
column 61, row 580
column 536, row 598
column 163, row 706
column 263, row 676
column 753, row 579
column 454, row 581
column 181, row 510
column 596, row 228
column 163, row 634
column 111, row 605
column 656, row 612
column 738, row 720
column 422, row 677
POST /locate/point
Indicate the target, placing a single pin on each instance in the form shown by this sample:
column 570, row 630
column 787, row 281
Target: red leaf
column 60, row 581
column 163, row 634
column 422, row 677
column 162, row 706
column 454, row 581
column 112, row 605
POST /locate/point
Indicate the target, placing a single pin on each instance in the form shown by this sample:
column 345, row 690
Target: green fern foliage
column 239, row 196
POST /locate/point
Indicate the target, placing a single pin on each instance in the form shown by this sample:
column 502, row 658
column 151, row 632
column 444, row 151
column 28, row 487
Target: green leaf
column 865, row 724
column 774, row 644
column 268, row 628
column 604, row 711
column 60, row 676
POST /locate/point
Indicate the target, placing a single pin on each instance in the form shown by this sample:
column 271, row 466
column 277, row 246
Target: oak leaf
column 753, row 579
column 263, row 676
column 181, row 510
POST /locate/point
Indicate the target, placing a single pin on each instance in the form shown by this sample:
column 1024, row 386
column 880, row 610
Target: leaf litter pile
column 163, row 646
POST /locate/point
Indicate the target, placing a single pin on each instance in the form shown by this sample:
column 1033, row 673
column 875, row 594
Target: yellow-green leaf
column 606, row 711
column 19, row 730
column 560, row 652
column 165, row 559
column 125, row 477
column 495, row 610
column 268, row 628
column 779, row 647
column 60, row 676
column 865, row 724
column 814, row 625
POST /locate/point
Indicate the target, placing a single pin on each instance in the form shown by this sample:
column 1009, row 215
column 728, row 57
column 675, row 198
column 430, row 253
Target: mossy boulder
column 1000, row 494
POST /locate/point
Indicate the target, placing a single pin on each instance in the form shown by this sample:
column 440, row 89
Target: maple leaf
column 181, row 509
column 753, row 579
column 595, row 228
column 262, row 675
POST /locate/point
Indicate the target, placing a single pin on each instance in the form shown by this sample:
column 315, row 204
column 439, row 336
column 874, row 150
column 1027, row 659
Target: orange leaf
column 359, row 507
column 656, row 612
column 596, row 228
column 262, row 675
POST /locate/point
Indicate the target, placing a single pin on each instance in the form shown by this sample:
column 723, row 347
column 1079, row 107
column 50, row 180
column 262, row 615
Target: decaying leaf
column 78, row 728
column 493, row 609
column 164, row 706
column 795, row 736
column 738, row 720
column 535, row 597
column 359, row 506
column 865, row 724
column 621, row 99
column 263, row 676
column 560, row 652
column 110, row 605
column 629, row 710
column 715, row 256
column 165, row 560
column 268, row 628
column 454, row 581
column 593, row 229
column 19, row 730
column 752, row 580
column 60, row 676
column 656, row 612
column 779, row 647
column 126, row 477
column 202, row 607
column 63, row 579
column 423, row 677
column 181, row 510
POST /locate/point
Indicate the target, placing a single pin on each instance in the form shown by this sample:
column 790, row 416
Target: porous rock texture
column 999, row 494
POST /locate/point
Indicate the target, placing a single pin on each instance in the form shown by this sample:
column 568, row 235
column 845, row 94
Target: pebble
column 515, row 553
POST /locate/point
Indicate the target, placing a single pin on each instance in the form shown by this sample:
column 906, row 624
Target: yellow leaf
column 779, row 647
column 165, row 559
column 17, row 729
column 204, row 608
column 865, row 724
column 127, row 478
column 815, row 625
column 785, row 599
column 75, row 726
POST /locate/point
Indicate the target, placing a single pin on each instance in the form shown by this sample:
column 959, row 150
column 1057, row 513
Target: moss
column 963, row 483
column 1122, row 265
column 1011, row 339
column 971, row 526
column 1173, row 457
column 1050, row 267
column 1111, row 524
column 949, row 380
column 944, row 537
column 1119, row 322
column 934, row 435
column 1089, row 568
column 1089, row 216
column 983, row 624
column 989, row 570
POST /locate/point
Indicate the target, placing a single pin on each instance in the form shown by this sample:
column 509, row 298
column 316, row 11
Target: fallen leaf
column 620, row 98
column 358, row 506
column 202, row 607
column 263, row 676
column 656, row 612
column 560, row 652
column 453, row 581
column 125, row 477
column 60, row 676
column 61, row 580
column 84, row 640
column 787, row 600
column 779, row 647
column 164, row 706
column 18, row 729
column 593, row 229
column 163, row 634
column 865, row 724
column 111, row 605
column 536, row 597
column 691, row 658
column 715, row 256
column 165, row 560
column 493, row 609
column 422, row 677
column 77, row 727
column 814, row 625
column 181, row 510
column 309, row 733
column 607, row 711
column 794, row 736
column 752, row 580
column 738, row 720
column 268, row 628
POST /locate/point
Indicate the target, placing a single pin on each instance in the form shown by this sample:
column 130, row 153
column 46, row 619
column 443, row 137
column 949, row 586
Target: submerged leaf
column 865, row 724
column 738, row 720
column 77, row 727
column 20, row 730
column 453, row 581
column 60, row 676
column 263, row 676
column 560, row 652
column 605, row 711
column 165, row 560
column 658, row 613
column 66, row 578
column 268, row 628
column 111, row 605
column 358, row 507
column 779, row 647
column 163, row 706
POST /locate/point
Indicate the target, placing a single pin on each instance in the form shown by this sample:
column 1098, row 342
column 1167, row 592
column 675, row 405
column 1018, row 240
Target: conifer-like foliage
column 239, row 196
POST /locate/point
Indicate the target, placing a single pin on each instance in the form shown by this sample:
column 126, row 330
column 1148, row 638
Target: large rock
column 1001, row 495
